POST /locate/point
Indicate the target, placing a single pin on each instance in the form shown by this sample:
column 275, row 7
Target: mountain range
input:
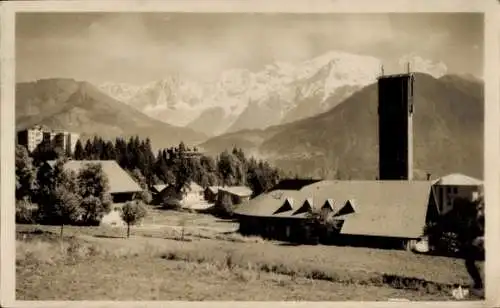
column 317, row 118
column 241, row 99
column 343, row 143
column 78, row 106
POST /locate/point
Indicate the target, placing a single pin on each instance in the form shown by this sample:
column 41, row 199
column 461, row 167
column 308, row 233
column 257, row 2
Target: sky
column 137, row 48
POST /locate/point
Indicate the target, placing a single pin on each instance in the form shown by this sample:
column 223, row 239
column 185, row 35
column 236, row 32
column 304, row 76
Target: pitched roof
column 119, row 180
column 160, row 187
column 266, row 205
column 213, row 189
column 457, row 179
column 383, row 208
column 241, row 191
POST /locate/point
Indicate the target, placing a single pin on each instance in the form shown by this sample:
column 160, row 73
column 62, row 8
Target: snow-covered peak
column 419, row 64
column 278, row 87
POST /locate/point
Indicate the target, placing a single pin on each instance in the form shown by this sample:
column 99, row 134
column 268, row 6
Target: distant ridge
column 79, row 106
column 342, row 143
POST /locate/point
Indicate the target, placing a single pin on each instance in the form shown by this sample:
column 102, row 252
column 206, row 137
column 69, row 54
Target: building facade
column 32, row 137
column 386, row 213
column 395, row 126
column 453, row 187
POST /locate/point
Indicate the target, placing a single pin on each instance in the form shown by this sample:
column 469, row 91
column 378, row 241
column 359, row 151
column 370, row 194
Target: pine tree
column 109, row 152
column 88, row 150
column 79, row 153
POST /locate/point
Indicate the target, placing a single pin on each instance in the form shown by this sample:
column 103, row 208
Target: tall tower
column 395, row 126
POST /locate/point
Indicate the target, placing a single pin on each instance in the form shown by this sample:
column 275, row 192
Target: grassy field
column 212, row 263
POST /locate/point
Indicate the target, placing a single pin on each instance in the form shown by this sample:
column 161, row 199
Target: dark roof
column 382, row 208
column 389, row 76
column 212, row 189
column 293, row 184
column 119, row 180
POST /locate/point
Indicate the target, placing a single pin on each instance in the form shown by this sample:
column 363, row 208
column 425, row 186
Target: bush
column 94, row 210
column 145, row 196
column 225, row 206
column 94, row 190
column 456, row 229
column 26, row 212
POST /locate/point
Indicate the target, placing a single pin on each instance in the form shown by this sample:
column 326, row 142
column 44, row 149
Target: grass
column 45, row 271
column 211, row 249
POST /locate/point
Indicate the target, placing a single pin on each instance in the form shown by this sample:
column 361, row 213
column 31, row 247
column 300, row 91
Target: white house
column 450, row 187
column 194, row 193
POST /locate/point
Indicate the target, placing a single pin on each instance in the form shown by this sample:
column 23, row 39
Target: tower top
column 407, row 75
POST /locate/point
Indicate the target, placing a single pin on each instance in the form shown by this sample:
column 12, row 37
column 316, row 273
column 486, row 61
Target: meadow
column 188, row 256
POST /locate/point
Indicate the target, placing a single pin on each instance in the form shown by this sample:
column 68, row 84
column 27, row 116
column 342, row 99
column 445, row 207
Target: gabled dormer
column 306, row 207
column 287, row 206
column 348, row 208
column 328, row 205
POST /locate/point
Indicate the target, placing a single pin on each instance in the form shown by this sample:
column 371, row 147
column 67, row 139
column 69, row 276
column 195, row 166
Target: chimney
column 408, row 67
column 428, row 176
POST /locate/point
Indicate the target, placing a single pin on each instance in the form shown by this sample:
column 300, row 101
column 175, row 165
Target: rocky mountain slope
column 241, row 99
column 81, row 107
column 343, row 142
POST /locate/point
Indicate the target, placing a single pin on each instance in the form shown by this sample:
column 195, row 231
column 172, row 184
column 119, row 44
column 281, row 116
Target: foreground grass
column 82, row 271
column 171, row 270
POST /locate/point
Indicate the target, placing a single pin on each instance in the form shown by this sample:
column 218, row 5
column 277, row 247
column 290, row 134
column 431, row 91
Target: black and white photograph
column 249, row 156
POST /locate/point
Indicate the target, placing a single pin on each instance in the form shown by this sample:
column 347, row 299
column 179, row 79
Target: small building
column 192, row 194
column 210, row 193
column 156, row 193
column 365, row 212
column 238, row 194
column 456, row 186
column 122, row 186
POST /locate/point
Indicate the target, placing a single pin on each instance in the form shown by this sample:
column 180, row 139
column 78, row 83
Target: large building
column 32, row 137
column 395, row 126
column 393, row 210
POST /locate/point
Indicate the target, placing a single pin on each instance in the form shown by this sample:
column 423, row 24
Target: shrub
column 94, row 210
column 94, row 189
column 225, row 206
column 26, row 212
column 145, row 196
column 25, row 174
column 172, row 204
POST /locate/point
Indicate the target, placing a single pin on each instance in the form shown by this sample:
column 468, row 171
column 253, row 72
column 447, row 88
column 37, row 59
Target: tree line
column 49, row 194
column 175, row 166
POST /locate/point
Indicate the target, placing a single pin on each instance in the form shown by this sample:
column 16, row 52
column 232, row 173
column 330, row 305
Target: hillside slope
column 80, row 107
column 343, row 142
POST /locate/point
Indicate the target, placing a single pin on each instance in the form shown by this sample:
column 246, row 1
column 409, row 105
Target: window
column 455, row 190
